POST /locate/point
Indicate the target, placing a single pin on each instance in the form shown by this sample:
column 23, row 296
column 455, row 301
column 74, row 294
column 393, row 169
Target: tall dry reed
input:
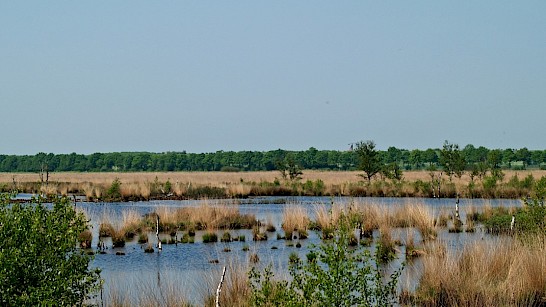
column 502, row 272
column 295, row 218
column 422, row 217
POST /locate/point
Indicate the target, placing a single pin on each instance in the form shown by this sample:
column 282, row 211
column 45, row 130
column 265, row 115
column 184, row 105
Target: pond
column 193, row 270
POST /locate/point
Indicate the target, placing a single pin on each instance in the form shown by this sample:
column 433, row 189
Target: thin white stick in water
column 220, row 288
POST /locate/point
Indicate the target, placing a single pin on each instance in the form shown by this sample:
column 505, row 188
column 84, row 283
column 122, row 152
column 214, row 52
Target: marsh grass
column 210, row 237
column 501, row 272
column 198, row 185
column 131, row 223
column 423, row 219
column 235, row 289
column 295, row 219
column 258, row 234
column 85, row 238
column 412, row 250
column 146, row 290
column 111, row 226
column 386, row 250
column 219, row 217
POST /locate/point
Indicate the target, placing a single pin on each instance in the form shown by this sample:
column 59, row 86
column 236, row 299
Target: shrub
column 114, row 191
column 210, row 237
column 335, row 277
column 42, row 266
column 226, row 237
column 85, row 239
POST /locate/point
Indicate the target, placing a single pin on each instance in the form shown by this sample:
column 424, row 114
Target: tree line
column 402, row 159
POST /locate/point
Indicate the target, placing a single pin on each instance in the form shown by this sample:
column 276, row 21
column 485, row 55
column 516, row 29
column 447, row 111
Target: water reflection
column 192, row 269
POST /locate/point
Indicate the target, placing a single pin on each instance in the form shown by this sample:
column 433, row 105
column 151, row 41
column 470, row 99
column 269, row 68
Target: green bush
column 210, row 237
column 205, row 192
column 114, row 191
column 337, row 276
column 41, row 266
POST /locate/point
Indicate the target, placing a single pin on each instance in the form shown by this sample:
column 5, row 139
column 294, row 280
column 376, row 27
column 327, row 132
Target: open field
column 223, row 178
column 149, row 185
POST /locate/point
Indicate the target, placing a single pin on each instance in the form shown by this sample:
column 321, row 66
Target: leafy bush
column 205, row 192
column 41, row 266
column 210, row 237
column 114, row 191
column 336, row 276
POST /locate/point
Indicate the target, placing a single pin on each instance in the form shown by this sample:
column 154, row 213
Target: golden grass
column 295, row 218
column 372, row 215
column 235, row 289
column 131, row 222
column 502, row 272
column 146, row 290
column 141, row 185
column 422, row 217
column 327, row 219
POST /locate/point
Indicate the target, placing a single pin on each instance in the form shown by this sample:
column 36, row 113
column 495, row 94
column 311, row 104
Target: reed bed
column 295, row 219
column 423, row 219
column 371, row 215
column 501, row 272
column 146, row 291
column 218, row 217
column 235, row 289
column 147, row 185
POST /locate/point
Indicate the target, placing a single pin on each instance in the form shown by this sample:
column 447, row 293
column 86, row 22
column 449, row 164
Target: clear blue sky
column 202, row 76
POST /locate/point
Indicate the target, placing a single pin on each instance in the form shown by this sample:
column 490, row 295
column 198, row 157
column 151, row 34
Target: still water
column 193, row 270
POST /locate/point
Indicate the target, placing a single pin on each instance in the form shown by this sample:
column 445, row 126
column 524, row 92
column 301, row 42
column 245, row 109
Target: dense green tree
column 452, row 160
column 523, row 155
column 368, row 159
column 415, row 159
column 289, row 168
column 251, row 161
column 430, row 156
column 40, row 264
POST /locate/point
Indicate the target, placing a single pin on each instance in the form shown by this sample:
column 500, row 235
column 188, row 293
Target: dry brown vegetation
column 501, row 272
column 146, row 185
column 295, row 219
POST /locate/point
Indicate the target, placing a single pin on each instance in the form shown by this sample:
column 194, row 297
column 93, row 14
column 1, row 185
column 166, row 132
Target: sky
column 203, row 76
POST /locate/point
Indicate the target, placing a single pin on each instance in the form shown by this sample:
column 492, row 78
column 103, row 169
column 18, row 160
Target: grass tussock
column 146, row 291
column 503, row 272
column 235, row 289
column 219, row 217
column 386, row 250
column 295, row 219
column 422, row 218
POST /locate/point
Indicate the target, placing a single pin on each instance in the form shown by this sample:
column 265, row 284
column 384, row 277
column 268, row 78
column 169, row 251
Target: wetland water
column 195, row 269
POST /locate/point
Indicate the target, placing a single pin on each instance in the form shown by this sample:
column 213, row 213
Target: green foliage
column 114, row 191
column 205, row 192
column 289, row 168
column 168, row 187
column 314, row 188
column 39, row 261
column 335, row 275
column 255, row 160
column 452, row 160
column 529, row 219
column 210, row 237
column 392, row 171
column 368, row 159
column 226, row 237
